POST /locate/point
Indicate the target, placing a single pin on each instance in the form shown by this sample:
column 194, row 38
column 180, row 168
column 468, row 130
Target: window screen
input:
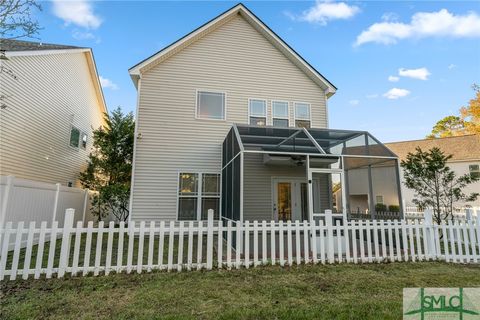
column 258, row 112
column 74, row 137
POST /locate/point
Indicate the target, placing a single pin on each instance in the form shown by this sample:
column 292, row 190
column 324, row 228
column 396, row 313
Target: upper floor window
column 197, row 193
column 302, row 115
column 211, row 105
column 474, row 170
column 280, row 113
column 257, row 111
column 74, row 137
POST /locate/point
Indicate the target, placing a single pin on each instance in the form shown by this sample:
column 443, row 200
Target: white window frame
column 197, row 91
column 295, row 118
column 477, row 171
column 266, row 110
column 281, row 118
column 80, row 142
column 199, row 195
column 383, row 199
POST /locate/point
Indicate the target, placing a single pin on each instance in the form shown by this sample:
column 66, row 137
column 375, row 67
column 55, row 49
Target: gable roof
column 462, row 148
column 13, row 48
column 20, row 45
column 216, row 22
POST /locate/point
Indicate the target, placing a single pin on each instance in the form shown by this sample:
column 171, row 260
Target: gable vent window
column 474, row 170
column 302, row 115
column 210, row 105
column 74, row 137
column 198, row 192
column 280, row 113
column 257, row 111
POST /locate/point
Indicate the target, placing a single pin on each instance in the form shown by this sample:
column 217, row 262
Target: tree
column 471, row 113
column 16, row 19
column 434, row 183
column 109, row 168
column 449, row 126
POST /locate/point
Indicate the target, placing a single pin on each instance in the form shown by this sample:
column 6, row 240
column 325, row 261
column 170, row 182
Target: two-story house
column 51, row 100
column 231, row 118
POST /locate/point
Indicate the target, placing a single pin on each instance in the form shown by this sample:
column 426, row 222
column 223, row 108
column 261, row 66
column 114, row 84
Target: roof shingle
column 20, row 45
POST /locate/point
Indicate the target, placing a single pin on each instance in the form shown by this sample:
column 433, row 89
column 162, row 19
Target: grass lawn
column 370, row 291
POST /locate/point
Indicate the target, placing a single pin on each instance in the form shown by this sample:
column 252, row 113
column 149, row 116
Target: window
column 74, row 137
column 280, row 113
column 198, row 192
column 84, row 141
column 69, row 184
column 474, row 170
column 302, row 115
column 257, row 111
column 211, row 105
column 378, row 199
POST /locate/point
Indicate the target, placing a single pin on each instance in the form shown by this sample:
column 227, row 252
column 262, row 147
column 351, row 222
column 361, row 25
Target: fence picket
column 229, row 244
column 466, row 241
column 306, row 251
column 65, row 244
column 369, row 241
column 108, row 261
column 4, row 252
column 180, row 246
column 383, row 239
column 313, row 237
column 354, row 241
column 189, row 246
column 28, row 250
column 339, row 241
column 255, row 243
column 426, row 248
column 161, row 245
column 40, row 248
column 76, row 247
column 458, row 234
column 398, row 250
column 264, row 242
column 471, row 228
column 121, row 233
column 131, row 238
column 247, row 245
column 209, row 239
column 281, row 251
column 390, row 241
column 418, row 242
column 98, row 251
column 238, row 246
column 16, row 251
column 220, row 245
column 51, row 251
column 289, row 243
column 452, row 241
column 171, row 242
column 438, row 249
column 347, row 240
column 404, row 240
column 445, row 242
column 298, row 253
column 411, row 241
column 151, row 241
column 272, row 242
column 362, row 242
column 375, row 241
column 322, row 241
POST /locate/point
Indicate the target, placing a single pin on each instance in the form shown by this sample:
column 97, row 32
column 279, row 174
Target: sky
column 399, row 66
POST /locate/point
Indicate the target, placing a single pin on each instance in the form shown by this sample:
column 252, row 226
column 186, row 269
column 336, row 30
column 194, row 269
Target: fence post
column 5, row 197
column 64, row 251
column 55, row 202
column 329, row 225
column 85, row 203
column 428, row 225
column 210, row 239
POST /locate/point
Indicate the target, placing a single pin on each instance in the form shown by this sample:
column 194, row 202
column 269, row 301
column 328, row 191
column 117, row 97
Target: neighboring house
column 231, row 118
column 51, row 101
column 465, row 151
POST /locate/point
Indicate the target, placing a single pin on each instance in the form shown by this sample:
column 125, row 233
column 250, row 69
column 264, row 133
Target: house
column 51, row 100
column 231, row 118
column 465, row 151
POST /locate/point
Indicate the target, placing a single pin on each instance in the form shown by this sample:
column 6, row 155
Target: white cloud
column 420, row 73
column 423, row 24
column 324, row 11
column 80, row 35
column 393, row 78
column 107, row 83
column 372, row 96
column 396, row 93
column 452, row 66
column 354, row 102
column 79, row 13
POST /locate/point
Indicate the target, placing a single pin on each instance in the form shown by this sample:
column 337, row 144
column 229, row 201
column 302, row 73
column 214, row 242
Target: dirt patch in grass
column 370, row 291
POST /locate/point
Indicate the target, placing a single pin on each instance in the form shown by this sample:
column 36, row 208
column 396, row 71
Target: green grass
column 370, row 291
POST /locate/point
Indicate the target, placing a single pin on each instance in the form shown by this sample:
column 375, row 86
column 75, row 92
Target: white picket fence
column 181, row 245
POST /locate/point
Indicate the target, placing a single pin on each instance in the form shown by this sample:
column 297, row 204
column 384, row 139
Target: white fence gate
column 76, row 249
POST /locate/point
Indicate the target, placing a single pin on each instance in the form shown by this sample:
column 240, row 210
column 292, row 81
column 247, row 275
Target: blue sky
column 399, row 66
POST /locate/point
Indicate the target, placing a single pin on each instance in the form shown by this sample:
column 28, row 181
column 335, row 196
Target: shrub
column 380, row 207
column 394, row 208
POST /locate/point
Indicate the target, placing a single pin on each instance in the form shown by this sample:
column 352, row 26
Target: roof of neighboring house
column 462, row 147
column 20, row 45
column 211, row 25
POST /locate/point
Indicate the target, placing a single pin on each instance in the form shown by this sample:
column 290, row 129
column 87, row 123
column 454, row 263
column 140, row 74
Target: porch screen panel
column 236, row 188
column 357, row 186
column 385, row 189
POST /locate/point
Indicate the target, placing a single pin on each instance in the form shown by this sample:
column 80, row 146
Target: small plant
column 380, row 207
column 394, row 208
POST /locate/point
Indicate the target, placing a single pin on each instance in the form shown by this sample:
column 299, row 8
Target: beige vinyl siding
column 51, row 93
column 234, row 59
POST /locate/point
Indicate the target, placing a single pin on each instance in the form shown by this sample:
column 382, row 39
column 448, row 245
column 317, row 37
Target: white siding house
column 51, row 100
column 232, row 70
